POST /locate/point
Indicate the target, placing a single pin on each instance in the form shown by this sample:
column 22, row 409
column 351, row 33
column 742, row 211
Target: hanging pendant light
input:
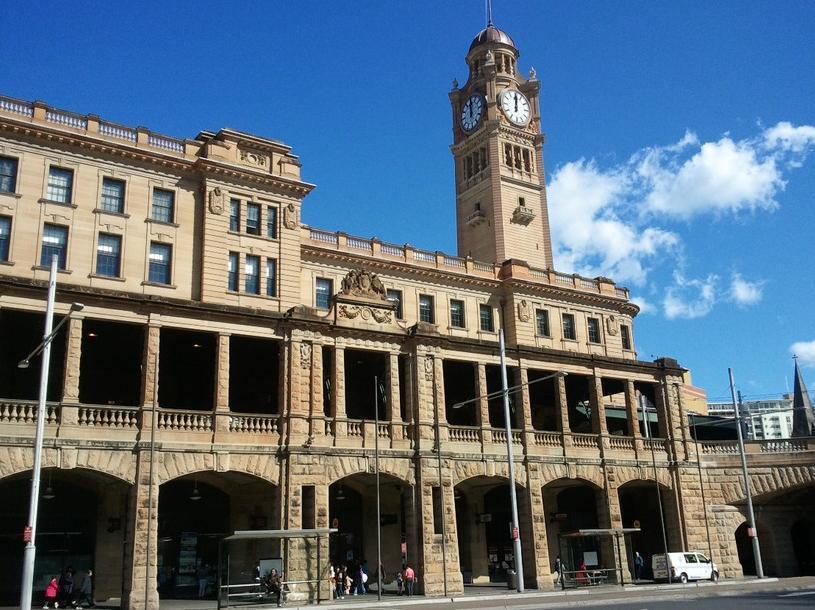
column 196, row 495
column 49, row 494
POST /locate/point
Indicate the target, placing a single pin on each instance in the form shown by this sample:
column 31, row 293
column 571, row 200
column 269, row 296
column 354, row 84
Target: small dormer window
column 522, row 202
column 477, row 206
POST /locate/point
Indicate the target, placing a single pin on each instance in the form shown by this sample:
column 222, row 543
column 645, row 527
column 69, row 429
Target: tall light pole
column 378, row 509
column 752, row 531
column 516, row 531
column 30, row 534
column 656, row 480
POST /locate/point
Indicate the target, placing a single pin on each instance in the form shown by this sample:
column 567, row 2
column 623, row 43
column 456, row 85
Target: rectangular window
column 271, row 277
column 252, row 274
column 232, row 272
column 625, row 335
column 60, row 184
column 109, row 255
column 395, row 297
column 594, row 330
column 322, row 293
column 542, row 322
column 5, row 237
column 234, row 215
column 426, row 313
column 485, row 318
column 54, row 241
column 253, row 219
column 457, row 313
column 8, row 175
column 113, row 195
column 568, row 327
column 438, row 513
column 163, row 205
column 271, row 221
column 161, row 259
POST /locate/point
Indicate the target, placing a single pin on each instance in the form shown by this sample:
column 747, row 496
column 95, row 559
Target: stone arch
column 764, row 482
column 120, row 465
column 591, row 474
column 174, row 465
column 744, row 549
column 625, row 475
column 464, row 471
column 339, row 468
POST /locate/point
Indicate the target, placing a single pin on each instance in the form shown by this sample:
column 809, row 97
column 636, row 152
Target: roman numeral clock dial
column 471, row 112
column 515, row 106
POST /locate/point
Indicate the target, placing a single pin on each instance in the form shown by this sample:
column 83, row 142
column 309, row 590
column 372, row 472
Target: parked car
column 683, row 567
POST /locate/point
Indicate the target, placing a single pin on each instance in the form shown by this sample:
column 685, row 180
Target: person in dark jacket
column 86, row 591
column 66, row 588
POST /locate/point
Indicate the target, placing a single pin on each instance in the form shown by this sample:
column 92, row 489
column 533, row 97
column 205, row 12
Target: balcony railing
column 25, row 412
column 109, row 417
column 187, row 421
column 254, row 424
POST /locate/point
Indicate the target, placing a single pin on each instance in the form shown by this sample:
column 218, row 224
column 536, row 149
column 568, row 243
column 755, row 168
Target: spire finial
column 489, row 13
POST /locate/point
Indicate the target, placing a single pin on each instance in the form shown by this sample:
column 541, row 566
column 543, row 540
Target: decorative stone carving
column 612, row 325
column 524, row 310
column 290, row 216
column 253, row 158
column 305, row 355
column 364, row 284
column 532, row 73
column 366, row 313
column 428, row 368
column 217, row 200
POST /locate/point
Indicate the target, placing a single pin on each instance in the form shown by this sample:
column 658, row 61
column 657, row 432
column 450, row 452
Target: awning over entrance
column 610, row 531
column 291, row 533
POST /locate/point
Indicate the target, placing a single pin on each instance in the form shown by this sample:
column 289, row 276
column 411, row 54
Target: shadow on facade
column 639, row 506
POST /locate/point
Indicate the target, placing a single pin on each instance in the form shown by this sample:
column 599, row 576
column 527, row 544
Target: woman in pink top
column 51, row 594
column 410, row 578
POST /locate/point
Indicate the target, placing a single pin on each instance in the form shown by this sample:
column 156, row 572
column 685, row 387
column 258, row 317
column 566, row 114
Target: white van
column 687, row 566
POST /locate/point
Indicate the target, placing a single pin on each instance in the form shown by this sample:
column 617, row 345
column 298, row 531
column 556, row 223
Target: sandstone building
column 254, row 350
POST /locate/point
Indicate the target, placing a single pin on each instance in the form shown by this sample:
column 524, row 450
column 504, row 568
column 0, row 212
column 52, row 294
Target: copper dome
column 492, row 34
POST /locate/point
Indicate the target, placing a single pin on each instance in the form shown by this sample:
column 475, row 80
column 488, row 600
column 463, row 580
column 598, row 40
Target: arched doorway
column 80, row 524
column 802, row 533
column 194, row 513
column 571, row 505
column 484, row 530
column 640, row 507
column 352, row 510
column 744, row 546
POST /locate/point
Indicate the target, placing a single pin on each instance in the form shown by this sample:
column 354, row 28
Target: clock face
column 471, row 112
column 515, row 106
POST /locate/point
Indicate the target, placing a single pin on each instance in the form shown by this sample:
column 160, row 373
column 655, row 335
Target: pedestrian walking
column 400, row 583
column 639, row 562
column 202, row 575
column 410, row 580
column 340, row 582
column 65, row 595
column 86, row 591
column 558, row 571
column 51, row 592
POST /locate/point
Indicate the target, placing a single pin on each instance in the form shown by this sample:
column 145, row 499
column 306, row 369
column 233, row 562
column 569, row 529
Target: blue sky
column 679, row 135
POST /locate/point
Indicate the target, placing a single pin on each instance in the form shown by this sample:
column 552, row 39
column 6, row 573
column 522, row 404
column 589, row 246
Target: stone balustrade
column 109, row 417
column 25, row 412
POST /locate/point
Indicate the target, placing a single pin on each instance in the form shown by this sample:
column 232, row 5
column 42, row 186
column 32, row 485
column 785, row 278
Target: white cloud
column 690, row 299
column 645, row 306
column 743, row 292
column 805, row 350
column 624, row 221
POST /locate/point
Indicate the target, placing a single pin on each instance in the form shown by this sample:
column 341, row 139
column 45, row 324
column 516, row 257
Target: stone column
column 222, row 384
column 632, row 413
column 679, row 419
column 140, row 586
column 430, row 571
column 394, row 408
column 69, row 412
column 317, row 416
column 150, row 377
column 483, row 418
column 300, row 389
column 533, row 530
column 563, row 408
column 424, row 416
column 598, row 410
column 662, row 412
column 338, row 394
column 609, row 515
column 438, row 398
column 526, row 408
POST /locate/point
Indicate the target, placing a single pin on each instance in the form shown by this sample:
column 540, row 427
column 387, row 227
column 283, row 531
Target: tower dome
column 492, row 34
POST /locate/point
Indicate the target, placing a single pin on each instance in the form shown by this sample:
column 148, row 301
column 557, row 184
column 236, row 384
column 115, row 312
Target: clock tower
column 501, row 208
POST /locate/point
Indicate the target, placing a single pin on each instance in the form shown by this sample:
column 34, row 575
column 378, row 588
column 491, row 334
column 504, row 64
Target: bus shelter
column 231, row 594
column 584, row 562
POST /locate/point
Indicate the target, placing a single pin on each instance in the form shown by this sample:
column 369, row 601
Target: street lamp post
column 30, row 534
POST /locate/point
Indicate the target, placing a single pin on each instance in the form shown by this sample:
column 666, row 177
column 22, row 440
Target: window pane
column 271, row 222
column 60, row 183
column 485, row 315
column 271, row 277
column 594, row 330
column 8, row 174
column 253, row 219
column 426, row 309
column 5, row 237
column 232, row 277
column 113, row 195
column 395, row 297
column 160, row 262
column 234, row 215
column 322, row 296
column 457, row 313
column 252, row 274
column 163, row 204
column 54, row 241
column 568, row 326
column 542, row 322
column 108, row 255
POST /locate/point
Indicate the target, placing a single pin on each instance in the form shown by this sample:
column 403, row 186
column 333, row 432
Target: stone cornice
column 212, row 167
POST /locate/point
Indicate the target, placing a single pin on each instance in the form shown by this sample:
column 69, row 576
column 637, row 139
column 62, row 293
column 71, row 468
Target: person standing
column 66, row 588
column 202, row 575
column 51, row 592
column 86, row 591
column 410, row 580
column 639, row 562
column 558, row 571
column 400, row 583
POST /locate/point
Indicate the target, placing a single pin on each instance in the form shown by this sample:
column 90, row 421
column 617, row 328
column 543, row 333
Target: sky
column 679, row 136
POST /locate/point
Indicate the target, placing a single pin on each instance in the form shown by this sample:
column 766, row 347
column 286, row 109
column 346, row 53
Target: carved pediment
column 364, row 285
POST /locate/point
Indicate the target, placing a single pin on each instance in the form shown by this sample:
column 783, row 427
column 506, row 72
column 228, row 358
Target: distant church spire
column 803, row 418
column 489, row 13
